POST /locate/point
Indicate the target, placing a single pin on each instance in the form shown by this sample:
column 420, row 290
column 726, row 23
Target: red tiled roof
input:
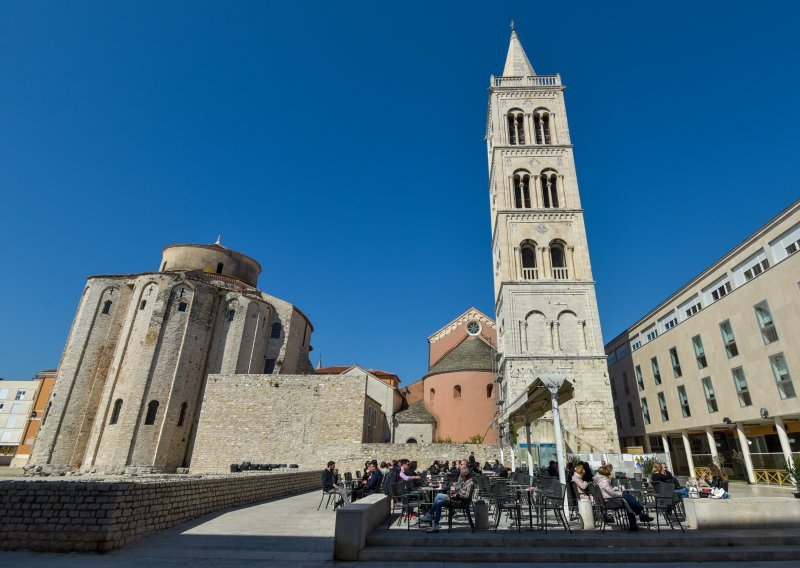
column 338, row 370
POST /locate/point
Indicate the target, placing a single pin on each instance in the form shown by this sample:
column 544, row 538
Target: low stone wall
column 348, row 456
column 101, row 515
column 747, row 513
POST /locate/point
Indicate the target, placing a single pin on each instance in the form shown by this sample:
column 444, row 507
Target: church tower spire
column 517, row 62
column 547, row 317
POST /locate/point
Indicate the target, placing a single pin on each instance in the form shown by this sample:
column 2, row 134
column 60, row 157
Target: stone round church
column 132, row 376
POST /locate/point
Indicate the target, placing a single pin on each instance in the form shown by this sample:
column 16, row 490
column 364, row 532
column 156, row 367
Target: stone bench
column 355, row 522
column 747, row 513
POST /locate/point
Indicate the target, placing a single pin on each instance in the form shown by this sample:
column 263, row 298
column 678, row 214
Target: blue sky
column 341, row 144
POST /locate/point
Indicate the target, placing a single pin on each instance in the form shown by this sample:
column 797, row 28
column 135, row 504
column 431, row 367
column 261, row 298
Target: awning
column 535, row 401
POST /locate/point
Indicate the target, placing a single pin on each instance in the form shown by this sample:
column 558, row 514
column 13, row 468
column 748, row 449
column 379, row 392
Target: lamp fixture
column 727, row 420
column 764, row 413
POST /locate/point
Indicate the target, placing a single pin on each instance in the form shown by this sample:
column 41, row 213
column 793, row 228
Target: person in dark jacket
column 330, row 483
column 373, row 483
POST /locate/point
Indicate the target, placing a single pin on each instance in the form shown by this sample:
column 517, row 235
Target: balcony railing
column 531, row 81
column 560, row 273
column 530, row 273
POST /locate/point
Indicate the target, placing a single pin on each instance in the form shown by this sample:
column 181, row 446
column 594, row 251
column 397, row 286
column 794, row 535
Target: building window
column 3, row 394
column 793, row 247
column 269, row 366
column 432, row 395
column 541, row 125
column 152, row 410
column 231, row 315
column 20, row 394
column 115, row 412
column 457, row 391
column 182, row 415
column 684, row 401
column 522, row 190
column 711, row 399
column 16, row 408
column 489, row 390
column 636, row 344
column 107, row 307
column 631, row 416
column 699, row 352
column 182, row 306
column 662, row 405
column 559, row 260
column 625, row 384
column 142, row 304
column 723, row 290
column 639, row 379
column 764, row 318
column 219, row 267
column 755, row 270
column 782, row 377
column 528, row 256
column 676, row 364
column 656, row 370
column 728, row 339
column 549, row 181
column 693, row 309
column 275, row 331
column 669, row 324
column 516, row 127
column 652, row 335
column 740, row 382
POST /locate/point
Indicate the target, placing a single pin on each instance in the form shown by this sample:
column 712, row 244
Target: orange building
column 459, row 390
column 41, row 398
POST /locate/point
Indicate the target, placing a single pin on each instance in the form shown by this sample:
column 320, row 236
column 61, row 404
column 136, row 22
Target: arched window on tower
column 559, row 259
column 432, row 395
column 457, row 391
column 522, row 190
column 549, row 180
column 152, row 410
column 115, row 412
column 516, row 127
column 542, row 124
column 528, row 259
column 275, row 332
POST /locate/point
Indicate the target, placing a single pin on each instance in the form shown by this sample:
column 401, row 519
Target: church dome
column 214, row 258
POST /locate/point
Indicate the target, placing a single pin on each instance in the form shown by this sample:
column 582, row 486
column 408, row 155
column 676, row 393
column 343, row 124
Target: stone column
column 665, row 443
column 528, row 442
column 687, row 447
column 712, row 444
column 571, row 262
column 557, row 328
column 539, row 262
column 553, row 129
column 786, row 447
column 536, row 198
column 748, row 461
column 529, row 129
column 547, row 263
column 510, row 193
column 517, row 264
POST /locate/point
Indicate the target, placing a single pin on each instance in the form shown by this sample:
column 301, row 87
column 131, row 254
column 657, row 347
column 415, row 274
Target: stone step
column 593, row 555
column 644, row 538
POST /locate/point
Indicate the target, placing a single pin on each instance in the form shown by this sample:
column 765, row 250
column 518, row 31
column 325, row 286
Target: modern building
column 458, row 395
column 16, row 402
column 547, row 318
column 708, row 374
column 43, row 381
column 131, row 380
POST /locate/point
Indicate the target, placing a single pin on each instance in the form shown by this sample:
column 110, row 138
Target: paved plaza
column 283, row 532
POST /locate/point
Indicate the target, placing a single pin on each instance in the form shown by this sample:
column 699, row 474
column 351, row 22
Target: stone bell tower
column 545, row 302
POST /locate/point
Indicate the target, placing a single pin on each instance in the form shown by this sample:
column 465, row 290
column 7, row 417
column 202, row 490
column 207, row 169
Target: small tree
column 792, row 468
column 647, row 465
column 476, row 439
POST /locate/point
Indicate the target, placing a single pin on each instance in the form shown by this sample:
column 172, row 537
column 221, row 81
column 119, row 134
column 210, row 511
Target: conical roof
column 517, row 62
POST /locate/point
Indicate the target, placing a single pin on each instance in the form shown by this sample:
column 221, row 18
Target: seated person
column 330, row 483
column 662, row 475
column 460, row 490
column 552, row 469
column 406, row 473
column 373, row 484
column 632, row 505
column 717, row 482
column 488, row 467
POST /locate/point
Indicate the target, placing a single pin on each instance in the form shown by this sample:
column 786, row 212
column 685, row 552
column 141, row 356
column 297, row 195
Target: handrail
column 530, row 81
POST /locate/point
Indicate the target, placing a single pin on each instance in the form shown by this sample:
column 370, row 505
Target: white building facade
column 16, row 400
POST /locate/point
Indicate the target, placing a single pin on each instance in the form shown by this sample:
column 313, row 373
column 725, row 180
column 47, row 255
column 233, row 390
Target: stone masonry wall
column 98, row 516
column 348, row 456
